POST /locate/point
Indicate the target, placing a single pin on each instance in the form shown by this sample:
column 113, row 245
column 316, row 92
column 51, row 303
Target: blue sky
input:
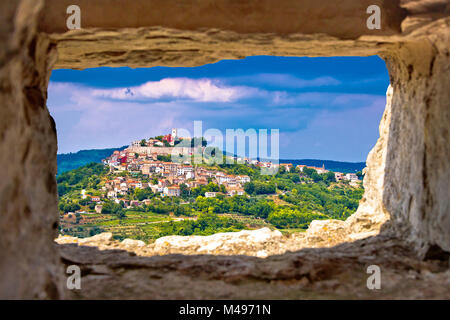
column 325, row 108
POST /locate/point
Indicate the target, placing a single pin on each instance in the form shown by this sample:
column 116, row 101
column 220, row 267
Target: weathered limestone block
column 326, row 233
column 222, row 243
column 29, row 263
column 417, row 169
column 130, row 243
column 371, row 214
column 66, row 240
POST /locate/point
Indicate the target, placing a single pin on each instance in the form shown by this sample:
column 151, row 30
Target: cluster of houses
column 166, row 177
column 141, row 158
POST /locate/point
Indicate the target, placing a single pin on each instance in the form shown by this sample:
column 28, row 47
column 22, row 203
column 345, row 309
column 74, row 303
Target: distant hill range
column 336, row 166
column 70, row 161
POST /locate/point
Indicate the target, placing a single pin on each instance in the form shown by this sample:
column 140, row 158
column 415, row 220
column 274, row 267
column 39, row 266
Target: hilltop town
column 142, row 191
column 143, row 158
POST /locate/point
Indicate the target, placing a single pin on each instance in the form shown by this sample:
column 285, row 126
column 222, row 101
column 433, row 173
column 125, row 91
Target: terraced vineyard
column 131, row 226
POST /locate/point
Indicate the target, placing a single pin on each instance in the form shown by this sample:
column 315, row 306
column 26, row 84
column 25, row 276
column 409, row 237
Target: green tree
column 329, row 177
column 249, row 187
column 315, row 176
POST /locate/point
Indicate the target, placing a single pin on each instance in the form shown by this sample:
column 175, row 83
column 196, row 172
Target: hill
column 337, row 166
column 69, row 161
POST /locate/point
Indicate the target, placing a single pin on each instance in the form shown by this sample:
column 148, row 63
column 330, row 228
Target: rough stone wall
column 28, row 204
column 345, row 19
column 146, row 33
column 322, row 273
column 417, row 168
column 408, row 170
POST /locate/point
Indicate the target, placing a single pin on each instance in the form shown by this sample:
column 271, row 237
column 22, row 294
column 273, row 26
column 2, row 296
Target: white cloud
column 84, row 121
column 199, row 90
